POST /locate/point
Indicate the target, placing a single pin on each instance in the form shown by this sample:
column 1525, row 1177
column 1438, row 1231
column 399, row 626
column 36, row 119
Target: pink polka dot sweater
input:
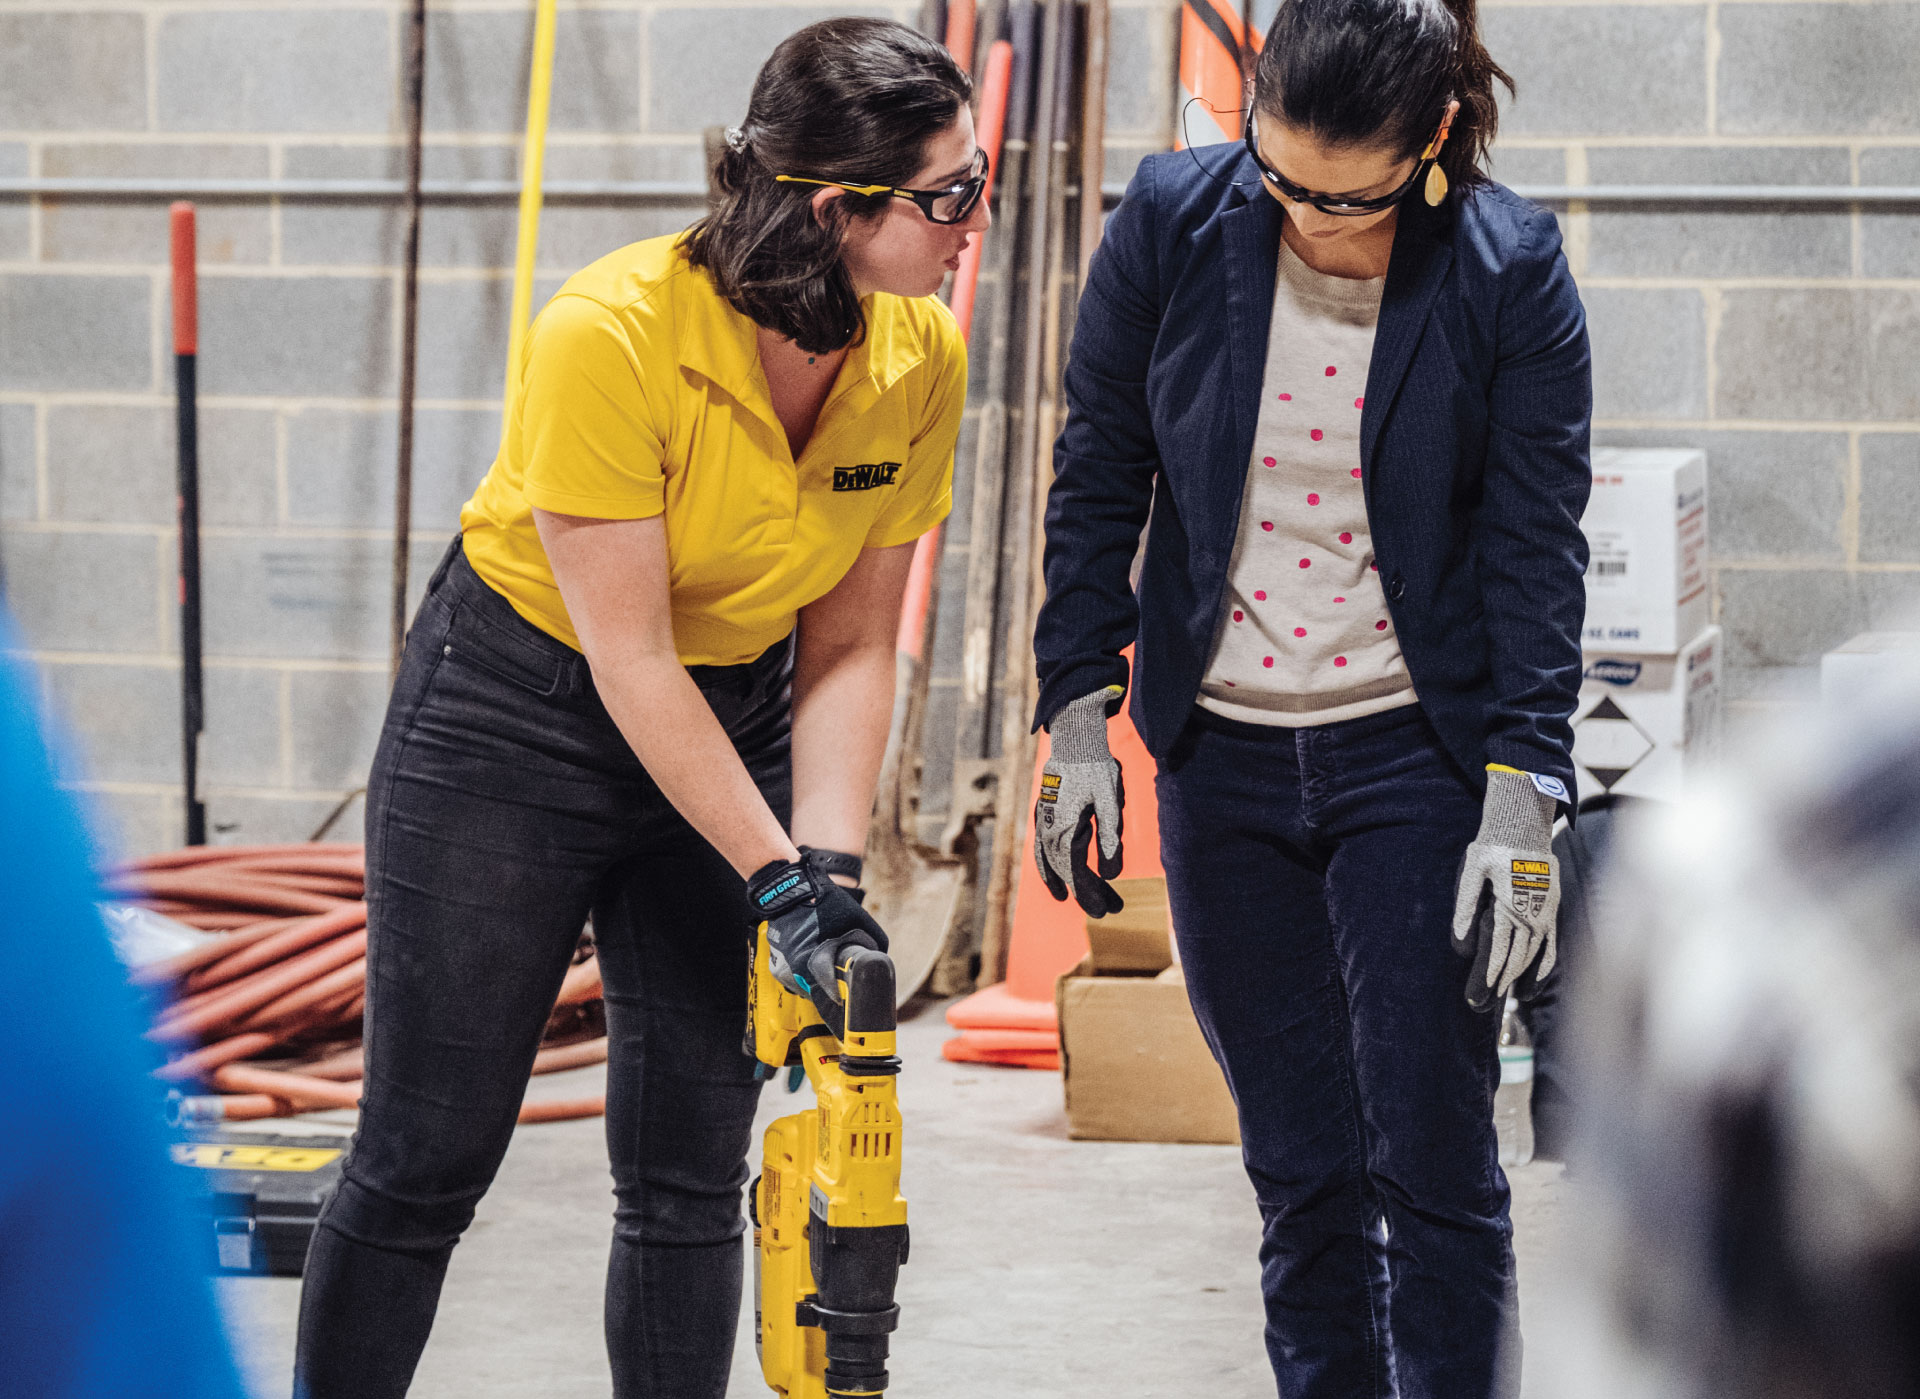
column 1304, row 635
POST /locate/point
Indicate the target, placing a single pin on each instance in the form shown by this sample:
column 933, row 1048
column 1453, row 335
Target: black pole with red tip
column 186, row 347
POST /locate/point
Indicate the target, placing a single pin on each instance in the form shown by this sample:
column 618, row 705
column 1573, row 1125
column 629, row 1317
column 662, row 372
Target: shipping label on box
column 1646, row 528
column 1643, row 720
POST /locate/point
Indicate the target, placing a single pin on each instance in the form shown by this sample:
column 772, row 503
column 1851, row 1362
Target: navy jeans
column 1312, row 874
column 504, row 805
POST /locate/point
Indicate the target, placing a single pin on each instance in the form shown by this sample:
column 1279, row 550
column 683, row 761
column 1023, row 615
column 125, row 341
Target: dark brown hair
column 1380, row 72
column 845, row 99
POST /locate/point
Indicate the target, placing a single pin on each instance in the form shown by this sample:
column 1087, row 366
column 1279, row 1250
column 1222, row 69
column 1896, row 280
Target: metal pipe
column 186, row 351
column 361, row 191
column 409, row 333
column 680, row 192
column 533, row 164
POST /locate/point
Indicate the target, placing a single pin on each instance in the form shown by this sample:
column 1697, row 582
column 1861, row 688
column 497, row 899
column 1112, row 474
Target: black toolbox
column 261, row 1195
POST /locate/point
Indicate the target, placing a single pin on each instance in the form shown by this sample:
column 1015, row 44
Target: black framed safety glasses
column 1341, row 206
column 1338, row 205
column 954, row 204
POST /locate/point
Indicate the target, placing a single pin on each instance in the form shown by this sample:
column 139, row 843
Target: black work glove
column 810, row 920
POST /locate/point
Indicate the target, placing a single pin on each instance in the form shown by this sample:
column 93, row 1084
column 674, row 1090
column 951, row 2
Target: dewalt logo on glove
column 1049, row 796
column 1531, row 881
column 865, row 478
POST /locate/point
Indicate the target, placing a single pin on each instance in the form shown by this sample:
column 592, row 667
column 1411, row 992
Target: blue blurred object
column 100, row 1292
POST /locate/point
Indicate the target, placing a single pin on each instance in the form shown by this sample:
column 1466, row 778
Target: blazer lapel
column 1250, row 240
column 1422, row 253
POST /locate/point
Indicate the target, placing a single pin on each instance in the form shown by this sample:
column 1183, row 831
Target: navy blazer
column 1473, row 449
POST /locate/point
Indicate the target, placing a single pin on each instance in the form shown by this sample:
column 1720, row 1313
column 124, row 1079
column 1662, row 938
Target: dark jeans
column 1312, row 876
column 504, row 806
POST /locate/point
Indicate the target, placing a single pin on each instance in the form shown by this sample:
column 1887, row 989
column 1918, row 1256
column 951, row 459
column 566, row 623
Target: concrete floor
column 1042, row 1267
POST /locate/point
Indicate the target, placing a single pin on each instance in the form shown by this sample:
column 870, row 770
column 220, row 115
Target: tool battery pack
column 261, row 1195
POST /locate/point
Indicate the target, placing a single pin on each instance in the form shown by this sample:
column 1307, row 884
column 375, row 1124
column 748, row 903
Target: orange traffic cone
column 1014, row 1021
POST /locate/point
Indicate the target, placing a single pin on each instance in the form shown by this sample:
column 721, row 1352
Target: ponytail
column 1381, row 72
column 1465, row 156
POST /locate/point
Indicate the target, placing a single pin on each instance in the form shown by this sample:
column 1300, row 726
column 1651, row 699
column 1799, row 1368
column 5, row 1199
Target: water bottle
column 1512, row 1100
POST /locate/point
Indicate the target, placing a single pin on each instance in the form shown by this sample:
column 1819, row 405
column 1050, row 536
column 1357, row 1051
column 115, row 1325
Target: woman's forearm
column 842, row 707
column 673, row 732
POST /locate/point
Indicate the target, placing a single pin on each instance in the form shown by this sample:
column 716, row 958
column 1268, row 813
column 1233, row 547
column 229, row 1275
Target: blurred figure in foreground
column 1751, row 1033
column 100, row 1297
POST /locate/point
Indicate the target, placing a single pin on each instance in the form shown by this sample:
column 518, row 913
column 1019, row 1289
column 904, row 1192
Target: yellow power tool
column 829, row 1223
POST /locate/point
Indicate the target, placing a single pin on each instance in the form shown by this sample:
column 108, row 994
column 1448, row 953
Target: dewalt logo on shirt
column 865, row 478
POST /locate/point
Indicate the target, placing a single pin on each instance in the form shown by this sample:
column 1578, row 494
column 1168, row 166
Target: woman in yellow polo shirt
column 655, row 673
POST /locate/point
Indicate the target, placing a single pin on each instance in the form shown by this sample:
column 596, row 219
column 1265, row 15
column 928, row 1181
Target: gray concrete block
column 1602, row 70
column 73, row 72
column 330, row 69
column 463, row 334
column 668, row 159
column 123, row 231
column 1529, row 165
column 1889, row 601
column 1770, row 495
column 1890, row 238
column 1819, row 354
column 1142, row 53
column 124, row 719
column 119, row 465
column 122, row 825
column 1786, row 617
column 371, row 233
column 1759, row 241
column 243, row 743
column 77, row 591
column 68, row 331
column 253, row 819
column 16, row 216
column 19, row 473
column 1649, row 353
column 325, row 336
column 336, row 724
column 1890, row 497
column 111, row 465
column 726, row 48
column 1124, row 157
column 478, row 61
column 341, row 464
column 320, row 599
column 573, row 235
column 1819, row 69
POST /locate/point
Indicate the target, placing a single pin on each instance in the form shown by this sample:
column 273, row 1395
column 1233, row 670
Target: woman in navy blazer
column 1324, row 871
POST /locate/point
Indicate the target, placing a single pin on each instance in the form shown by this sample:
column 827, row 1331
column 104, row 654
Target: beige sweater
column 1304, row 635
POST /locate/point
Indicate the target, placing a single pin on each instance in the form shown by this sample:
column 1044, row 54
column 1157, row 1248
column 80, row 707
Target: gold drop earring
column 1436, row 187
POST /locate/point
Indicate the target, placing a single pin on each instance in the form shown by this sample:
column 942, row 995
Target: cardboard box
column 1862, row 667
column 1139, row 938
column 1646, row 528
column 1132, row 1059
column 1643, row 720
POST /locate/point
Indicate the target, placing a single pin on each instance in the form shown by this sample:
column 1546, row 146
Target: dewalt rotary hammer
column 829, row 1223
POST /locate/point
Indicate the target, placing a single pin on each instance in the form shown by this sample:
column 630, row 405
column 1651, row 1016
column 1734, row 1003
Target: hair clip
column 736, row 140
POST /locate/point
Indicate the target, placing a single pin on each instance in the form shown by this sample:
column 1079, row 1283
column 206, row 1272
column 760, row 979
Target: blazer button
column 1396, row 588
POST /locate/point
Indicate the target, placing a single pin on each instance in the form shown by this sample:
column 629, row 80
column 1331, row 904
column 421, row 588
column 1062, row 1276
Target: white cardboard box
column 1643, row 720
column 1646, row 528
column 1863, row 666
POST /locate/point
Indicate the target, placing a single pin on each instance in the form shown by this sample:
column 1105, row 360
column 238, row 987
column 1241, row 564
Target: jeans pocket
column 471, row 640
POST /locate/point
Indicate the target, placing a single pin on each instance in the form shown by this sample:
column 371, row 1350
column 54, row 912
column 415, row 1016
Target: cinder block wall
column 299, row 342
column 1784, row 341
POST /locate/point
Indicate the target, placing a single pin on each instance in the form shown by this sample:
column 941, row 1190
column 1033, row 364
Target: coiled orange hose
column 267, row 1016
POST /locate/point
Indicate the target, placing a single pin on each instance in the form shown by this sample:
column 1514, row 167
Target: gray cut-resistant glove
column 1080, row 785
column 1508, row 901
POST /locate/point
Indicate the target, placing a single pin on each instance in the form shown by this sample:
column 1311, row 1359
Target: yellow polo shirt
column 640, row 393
